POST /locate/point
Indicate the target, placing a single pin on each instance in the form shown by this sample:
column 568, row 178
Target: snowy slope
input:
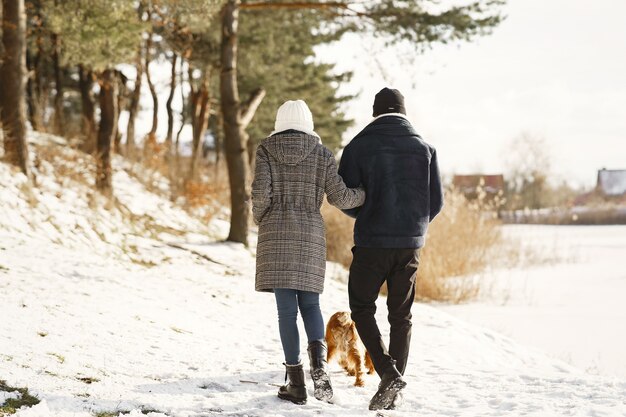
column 100, row 315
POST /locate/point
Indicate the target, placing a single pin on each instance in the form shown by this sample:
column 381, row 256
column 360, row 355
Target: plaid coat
column 293, row 172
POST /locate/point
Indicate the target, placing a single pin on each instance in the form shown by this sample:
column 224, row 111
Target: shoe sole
column 383, row 400
column 293, row 400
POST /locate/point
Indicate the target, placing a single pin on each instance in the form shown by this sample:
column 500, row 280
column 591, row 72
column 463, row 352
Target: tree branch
column 250, row 106
column 333, row 5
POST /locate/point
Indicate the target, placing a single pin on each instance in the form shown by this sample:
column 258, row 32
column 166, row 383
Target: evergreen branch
column 344, row 6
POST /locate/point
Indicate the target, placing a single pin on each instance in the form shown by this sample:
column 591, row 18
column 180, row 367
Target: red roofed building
column 469, row 185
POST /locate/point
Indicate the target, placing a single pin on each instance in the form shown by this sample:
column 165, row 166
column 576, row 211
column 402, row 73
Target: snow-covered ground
column 572, row 308
column 99, row 315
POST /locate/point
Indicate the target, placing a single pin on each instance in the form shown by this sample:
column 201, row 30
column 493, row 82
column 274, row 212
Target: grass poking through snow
column 123, row 412
column 11, row 405
column 87, row 379
column 60, row 358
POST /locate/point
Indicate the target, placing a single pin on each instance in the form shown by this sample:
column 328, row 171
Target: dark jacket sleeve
column 349, row 171
column 436, row 187
column 338, row 193
column 261, row 186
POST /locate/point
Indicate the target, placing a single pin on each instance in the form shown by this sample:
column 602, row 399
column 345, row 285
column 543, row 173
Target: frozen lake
column 573, row 309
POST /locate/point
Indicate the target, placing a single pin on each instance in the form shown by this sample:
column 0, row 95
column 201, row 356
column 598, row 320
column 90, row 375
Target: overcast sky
column 555, row 69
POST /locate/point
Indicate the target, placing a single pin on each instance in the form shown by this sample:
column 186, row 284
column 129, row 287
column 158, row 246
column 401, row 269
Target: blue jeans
column 288, row 302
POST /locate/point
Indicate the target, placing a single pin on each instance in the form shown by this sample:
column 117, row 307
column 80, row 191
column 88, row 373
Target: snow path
column 184, row 338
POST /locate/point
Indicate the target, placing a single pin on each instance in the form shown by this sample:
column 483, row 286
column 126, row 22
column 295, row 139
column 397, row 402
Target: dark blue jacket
column 402, row 183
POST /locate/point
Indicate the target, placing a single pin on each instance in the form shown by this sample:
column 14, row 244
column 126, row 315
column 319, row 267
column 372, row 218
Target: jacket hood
column 290, row 148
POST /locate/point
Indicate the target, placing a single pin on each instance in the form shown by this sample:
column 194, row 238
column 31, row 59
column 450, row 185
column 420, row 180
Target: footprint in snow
column 215, row 387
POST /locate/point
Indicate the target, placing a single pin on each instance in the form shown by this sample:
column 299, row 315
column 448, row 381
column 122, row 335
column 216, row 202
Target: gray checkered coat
column 293, row 172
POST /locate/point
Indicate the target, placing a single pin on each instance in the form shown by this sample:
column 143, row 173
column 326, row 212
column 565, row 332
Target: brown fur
column 344, row 341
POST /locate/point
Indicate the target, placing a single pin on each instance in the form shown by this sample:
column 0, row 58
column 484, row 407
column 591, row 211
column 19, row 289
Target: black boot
column 323, row 390
column 294, row 390
column 391, row 384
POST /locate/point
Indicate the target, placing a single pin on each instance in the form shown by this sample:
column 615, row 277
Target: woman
column 293, row 172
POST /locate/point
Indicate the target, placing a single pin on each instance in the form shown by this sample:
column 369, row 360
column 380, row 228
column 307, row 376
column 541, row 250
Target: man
column 404, row 194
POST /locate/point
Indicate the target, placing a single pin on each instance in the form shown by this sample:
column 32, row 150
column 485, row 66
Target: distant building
column 611, row 182
column 610, row 187
column 469, row 185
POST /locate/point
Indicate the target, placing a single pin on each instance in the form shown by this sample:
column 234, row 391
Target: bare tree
column 529, row 165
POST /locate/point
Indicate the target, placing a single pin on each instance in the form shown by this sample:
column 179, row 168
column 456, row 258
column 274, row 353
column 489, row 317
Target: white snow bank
column 65, row 209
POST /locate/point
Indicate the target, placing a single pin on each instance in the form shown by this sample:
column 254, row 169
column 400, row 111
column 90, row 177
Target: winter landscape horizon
column 129, row 133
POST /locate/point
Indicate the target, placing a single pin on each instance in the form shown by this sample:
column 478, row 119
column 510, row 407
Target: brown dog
column 343, row 340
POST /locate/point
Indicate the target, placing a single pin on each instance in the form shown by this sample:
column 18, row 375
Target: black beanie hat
column 388, row 100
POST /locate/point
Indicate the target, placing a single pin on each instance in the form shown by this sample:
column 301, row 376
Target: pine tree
column 397, row 20
column 97, row 35
column 280, row 59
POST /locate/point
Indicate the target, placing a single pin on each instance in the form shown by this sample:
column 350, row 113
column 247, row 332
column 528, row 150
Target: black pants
column 370, row 268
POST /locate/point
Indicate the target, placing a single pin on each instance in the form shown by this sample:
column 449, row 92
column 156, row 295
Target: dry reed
column 339, row 228
column 462, row 242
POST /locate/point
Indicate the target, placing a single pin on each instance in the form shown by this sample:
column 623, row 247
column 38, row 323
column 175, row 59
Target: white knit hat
column 294, row 114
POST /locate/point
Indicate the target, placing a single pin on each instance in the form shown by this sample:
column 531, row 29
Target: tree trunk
column 108, row 122
column 184, row 109
column 59, row 116
column 199, row 108
column 121, row 103
column 235, row 137
column 13, row 84
column 177, row 142
column 40, row 86
column 134, row 108
column 85, row 82
column 251, row 154
column 34, row 110
column 155, row 99
column 168, row 106
column 36, row 90
column 219, row 140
